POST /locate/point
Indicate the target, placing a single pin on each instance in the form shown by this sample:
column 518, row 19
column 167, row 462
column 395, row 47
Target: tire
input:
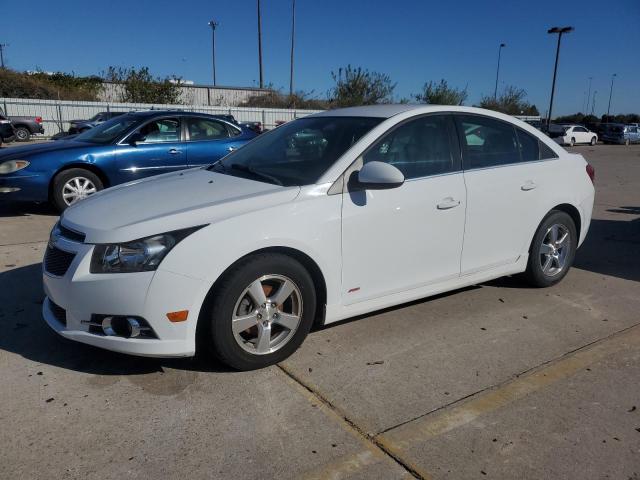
column 573, row 142
column 85, row 178
column 627, row 142
column 593, row 141
column 232, row 298
column 536, row 274
column 23, row 134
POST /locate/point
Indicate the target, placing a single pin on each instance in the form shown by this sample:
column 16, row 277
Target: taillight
column 591, row 172
column 38, row 119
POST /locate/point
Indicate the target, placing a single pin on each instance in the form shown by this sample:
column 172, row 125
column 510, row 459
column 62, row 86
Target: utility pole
column 2, row 47
column 495, row 92
column 293, row 36
column 559, row 31
column 586, row 108
column 593, row 105
column 260, row 45
column 213, row 24
column 610, row 93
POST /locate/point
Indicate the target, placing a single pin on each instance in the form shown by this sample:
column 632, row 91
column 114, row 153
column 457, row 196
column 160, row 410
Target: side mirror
column 378, row 176
column 135, row 138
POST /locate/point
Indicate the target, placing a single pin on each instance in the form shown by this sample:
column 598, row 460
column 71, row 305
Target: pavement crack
column 367, row 438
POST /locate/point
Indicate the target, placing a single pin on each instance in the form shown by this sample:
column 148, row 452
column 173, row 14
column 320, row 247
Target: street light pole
column 586, row 108
column 559, row 31
column 2, row 47
column 213, row 24
column 593, row 105
column 610, row 93
column 495, row 92
column 293, row 36
column 260, row 45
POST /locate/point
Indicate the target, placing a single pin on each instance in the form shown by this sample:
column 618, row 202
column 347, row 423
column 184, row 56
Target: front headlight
column 13, row 166
column 141, row 255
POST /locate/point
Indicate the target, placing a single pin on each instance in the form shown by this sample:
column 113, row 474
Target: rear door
column 159, row 150
column 209, row 140
column 505, row 180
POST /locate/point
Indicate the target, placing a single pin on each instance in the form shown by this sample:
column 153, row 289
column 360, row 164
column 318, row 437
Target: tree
column 358, row 86
column 441, row 94
column 49, row 86
column 139, row 86
column 511, row 101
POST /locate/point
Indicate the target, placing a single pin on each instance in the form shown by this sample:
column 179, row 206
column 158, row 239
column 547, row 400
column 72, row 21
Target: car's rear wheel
column 552, row 250
column 259, row 313
column 23, row 134
column 71, row 186
column 593, row 140
column 627, row 142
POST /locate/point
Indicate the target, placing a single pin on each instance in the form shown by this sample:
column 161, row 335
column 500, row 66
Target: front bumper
column 150, row 295
column 24, row 187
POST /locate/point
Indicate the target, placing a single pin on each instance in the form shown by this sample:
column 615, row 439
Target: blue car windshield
column 109, row 131
column 298, row 152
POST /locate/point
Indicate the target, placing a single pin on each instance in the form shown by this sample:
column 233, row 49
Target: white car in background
column 572, row 135
column 326, row 217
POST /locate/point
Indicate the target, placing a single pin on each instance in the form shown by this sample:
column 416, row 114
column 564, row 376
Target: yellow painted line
column 400, row 439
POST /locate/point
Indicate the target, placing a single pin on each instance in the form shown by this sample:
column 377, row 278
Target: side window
column 580, row 129
column 546, row 152
column 419, row 148
column 529, row 148
column 487, row 142
column 161, row 131
column 205, row 129
column 233, row 131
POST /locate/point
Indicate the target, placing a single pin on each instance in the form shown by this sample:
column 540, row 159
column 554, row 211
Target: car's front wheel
column 73, row 185
column 259, row 312
column 593, row 140
column 572, row 142
column 552, row 250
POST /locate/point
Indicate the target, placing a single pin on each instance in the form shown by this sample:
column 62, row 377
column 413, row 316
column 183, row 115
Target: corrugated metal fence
column 57, row 114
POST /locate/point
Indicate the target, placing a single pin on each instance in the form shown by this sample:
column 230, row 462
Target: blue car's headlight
column 141, row 255
column 13, row 166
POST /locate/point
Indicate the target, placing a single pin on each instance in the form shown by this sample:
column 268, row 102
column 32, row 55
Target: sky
column 413, row 41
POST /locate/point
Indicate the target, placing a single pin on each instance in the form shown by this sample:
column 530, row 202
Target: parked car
column 7, row 132
column 79, row 126
column 128, row 147
column 25, row 126
column 622, row 134
column 242, row 257
column 255, row 126
column 572, row 135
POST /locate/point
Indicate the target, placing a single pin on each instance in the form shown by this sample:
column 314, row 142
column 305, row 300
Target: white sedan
column 326, row 217
column 573, row 135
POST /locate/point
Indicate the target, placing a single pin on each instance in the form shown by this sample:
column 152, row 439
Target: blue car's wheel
column 73, row 185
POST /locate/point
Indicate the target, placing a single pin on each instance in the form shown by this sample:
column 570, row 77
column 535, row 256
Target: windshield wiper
column 256, row 174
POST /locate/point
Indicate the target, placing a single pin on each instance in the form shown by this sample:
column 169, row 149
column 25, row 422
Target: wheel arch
column 85, row 166
column 304, row 259
column 573, row 212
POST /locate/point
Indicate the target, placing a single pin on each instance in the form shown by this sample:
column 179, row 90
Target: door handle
column 231, row 149
column 528, row 185
column 174, row 151
column 448, row 203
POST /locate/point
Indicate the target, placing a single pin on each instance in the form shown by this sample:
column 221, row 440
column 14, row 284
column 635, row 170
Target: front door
column 410, row 236
column 159, row 149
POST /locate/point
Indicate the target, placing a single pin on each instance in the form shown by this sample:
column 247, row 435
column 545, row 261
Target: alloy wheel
column 267, row 314
column 77, row 188
column 554, row 250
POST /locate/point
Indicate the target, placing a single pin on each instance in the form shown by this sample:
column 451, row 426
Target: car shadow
column 25, row 333
column 21, row 209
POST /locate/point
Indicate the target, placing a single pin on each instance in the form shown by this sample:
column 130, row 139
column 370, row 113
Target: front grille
column 58, row 312
column 71, row 234
column 56, row 261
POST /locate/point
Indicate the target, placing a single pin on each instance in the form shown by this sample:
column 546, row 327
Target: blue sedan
column 126, row 148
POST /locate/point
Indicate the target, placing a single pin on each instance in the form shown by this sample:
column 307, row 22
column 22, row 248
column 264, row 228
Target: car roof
column 153, row 113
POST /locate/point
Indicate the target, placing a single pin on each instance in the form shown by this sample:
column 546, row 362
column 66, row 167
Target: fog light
column 9, row 189
column 121, row 326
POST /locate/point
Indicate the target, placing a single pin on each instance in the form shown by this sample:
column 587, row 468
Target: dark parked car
column 129, row 147
column 6, row 129
column 621, row 134
column 24, row 127
column 79, row 126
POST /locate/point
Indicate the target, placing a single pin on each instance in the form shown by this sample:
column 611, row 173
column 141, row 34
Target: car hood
column 170, row 202
column 25, row 151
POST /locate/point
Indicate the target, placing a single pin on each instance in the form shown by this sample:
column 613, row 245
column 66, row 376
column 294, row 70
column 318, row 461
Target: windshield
column 108, row 132
column 298, row 152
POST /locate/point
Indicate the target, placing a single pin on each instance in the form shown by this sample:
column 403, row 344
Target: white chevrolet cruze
column 329, row 216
